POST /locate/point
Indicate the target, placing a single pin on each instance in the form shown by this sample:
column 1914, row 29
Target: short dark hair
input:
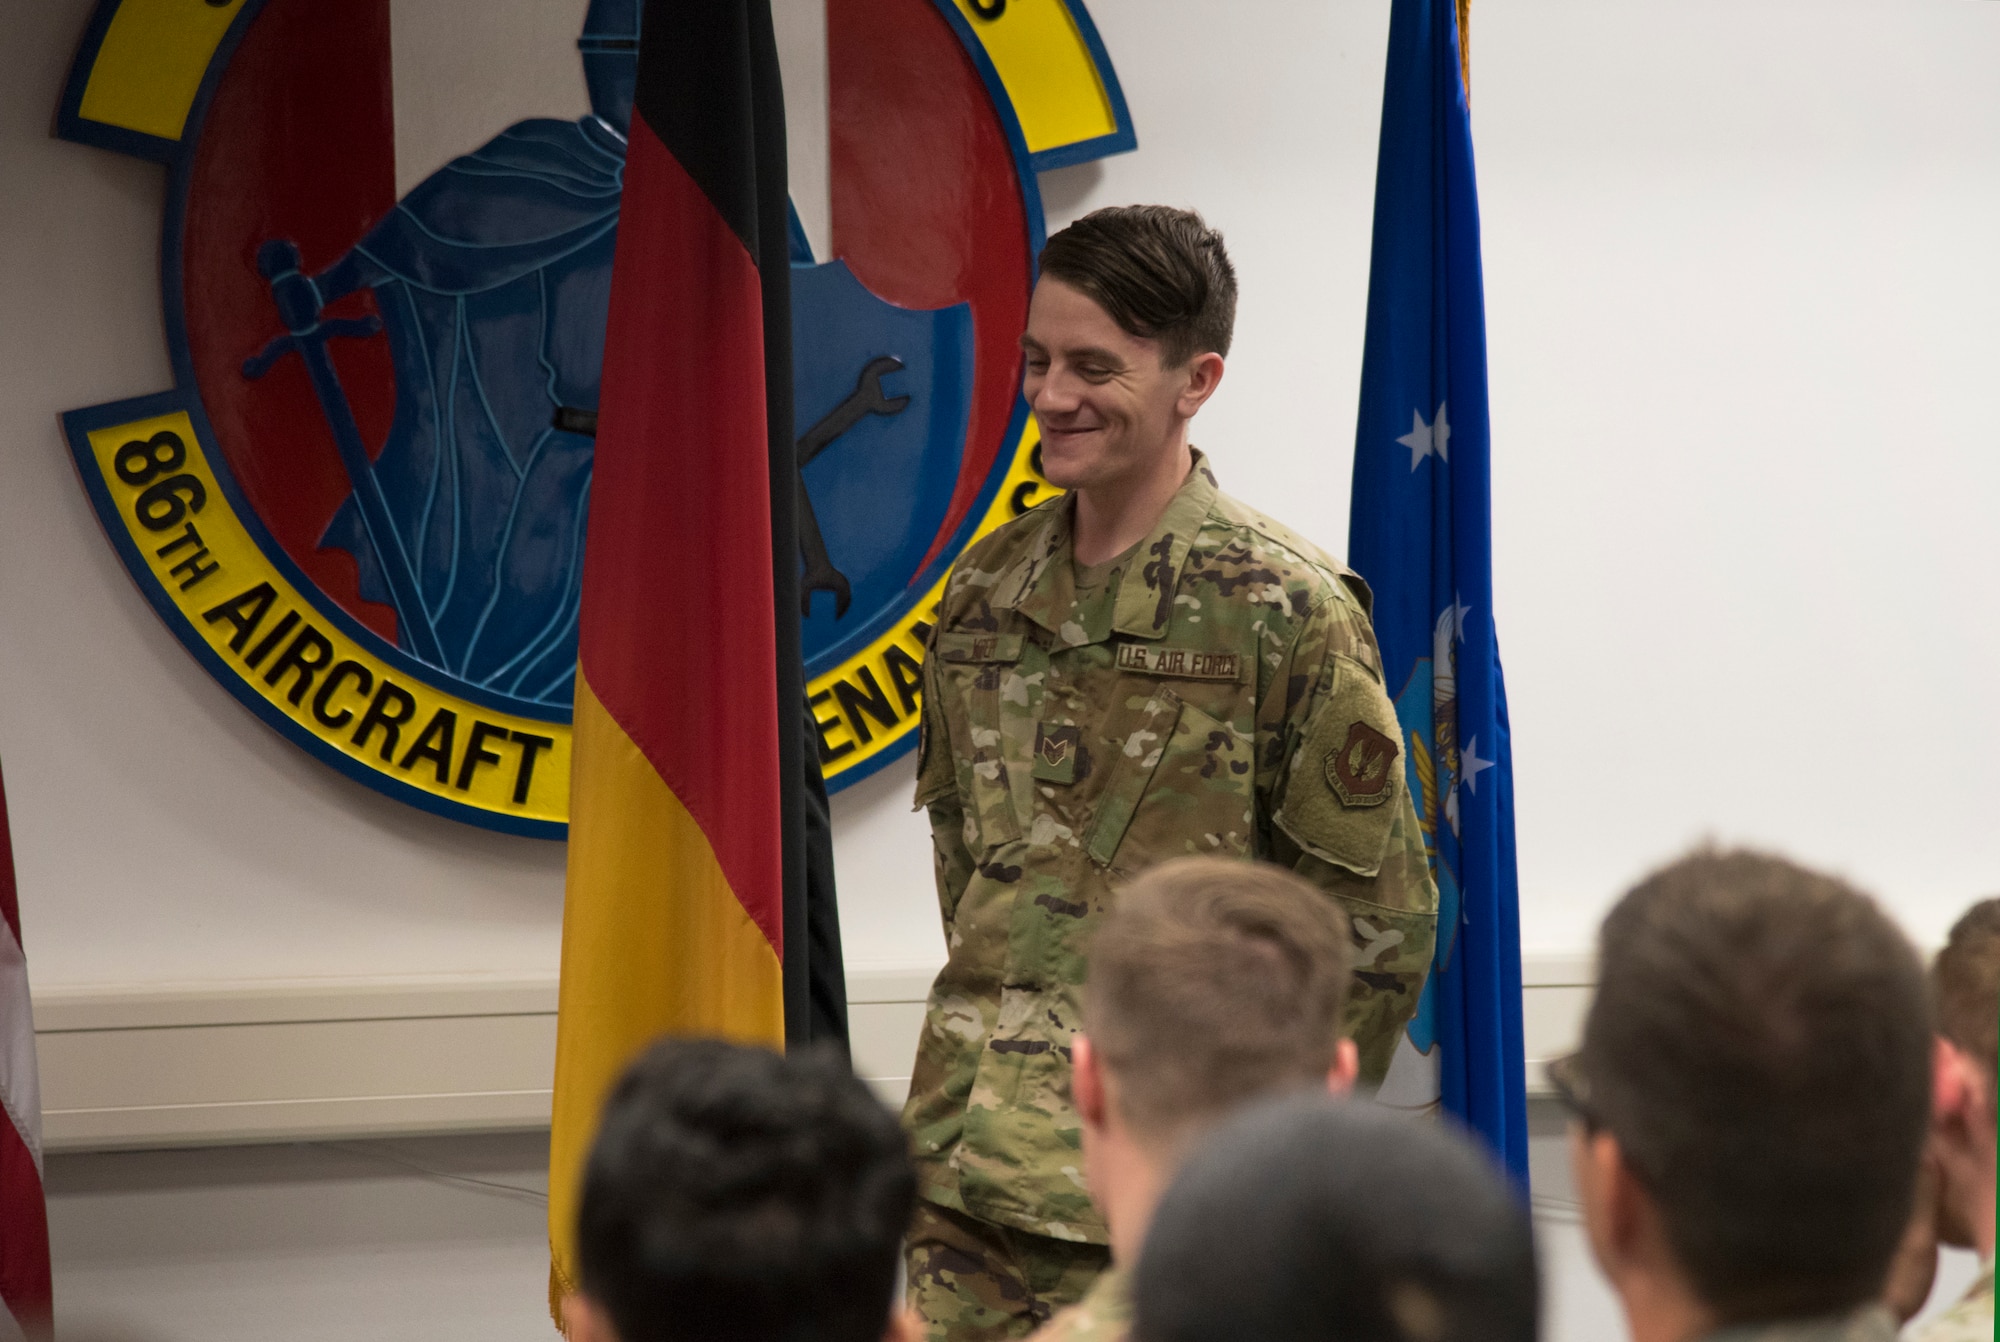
column 736, row 1193
column 1759, row 1046
column 1312, row 1218
column 1965, row 985
column 1160, row 273
column 1213, row 982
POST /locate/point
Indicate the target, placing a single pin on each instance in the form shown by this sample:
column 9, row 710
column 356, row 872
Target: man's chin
column 1069, row 469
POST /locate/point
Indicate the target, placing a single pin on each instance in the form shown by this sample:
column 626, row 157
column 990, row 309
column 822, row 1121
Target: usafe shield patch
column 362, row 505
column 1358, row 769
column 1180, row 663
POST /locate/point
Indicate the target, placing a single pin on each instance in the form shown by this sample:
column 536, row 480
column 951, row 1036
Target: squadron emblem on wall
column 362, row 505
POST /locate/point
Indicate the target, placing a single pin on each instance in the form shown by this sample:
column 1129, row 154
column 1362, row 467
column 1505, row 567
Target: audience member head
column 735, row 1193
column 1753, row 1090
column 1965, row 996
column 1212, row 983
column 1309, row 1218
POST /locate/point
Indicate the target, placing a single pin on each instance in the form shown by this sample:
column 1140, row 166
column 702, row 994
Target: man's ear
column 1614, row 1204
column 1086, row 1081
column 905, row 1325
column 584, row 1320
column 1346, row 1066
column 1948, row 1078
column 1200, row 378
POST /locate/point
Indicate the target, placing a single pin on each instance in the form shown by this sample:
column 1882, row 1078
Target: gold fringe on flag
column 1465, row 46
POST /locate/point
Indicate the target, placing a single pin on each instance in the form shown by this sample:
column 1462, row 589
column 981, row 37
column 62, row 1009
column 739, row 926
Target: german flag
column 692, row 795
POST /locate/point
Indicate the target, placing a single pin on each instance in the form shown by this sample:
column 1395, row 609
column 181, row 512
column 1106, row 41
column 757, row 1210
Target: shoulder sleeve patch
column 1338, row 802
column 1360, row 767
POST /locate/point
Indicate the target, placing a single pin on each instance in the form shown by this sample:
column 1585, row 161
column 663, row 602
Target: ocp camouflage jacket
column 1223, row 696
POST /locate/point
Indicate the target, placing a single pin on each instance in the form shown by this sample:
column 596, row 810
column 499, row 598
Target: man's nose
column 1053, row 393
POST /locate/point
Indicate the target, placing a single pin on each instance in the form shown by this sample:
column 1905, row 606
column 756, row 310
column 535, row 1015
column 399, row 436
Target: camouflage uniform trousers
column 973, row 1281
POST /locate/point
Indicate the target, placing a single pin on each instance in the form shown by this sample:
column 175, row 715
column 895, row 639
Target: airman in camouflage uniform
column 1220, row 693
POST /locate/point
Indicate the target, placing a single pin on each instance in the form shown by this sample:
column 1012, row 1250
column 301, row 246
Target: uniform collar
column 1042, row 583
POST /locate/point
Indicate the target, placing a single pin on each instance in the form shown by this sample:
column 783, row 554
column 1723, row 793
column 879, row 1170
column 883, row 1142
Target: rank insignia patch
column 1056, row 750
column 1359, row 769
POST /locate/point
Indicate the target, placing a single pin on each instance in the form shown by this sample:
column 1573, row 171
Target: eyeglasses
column 1572, row 1089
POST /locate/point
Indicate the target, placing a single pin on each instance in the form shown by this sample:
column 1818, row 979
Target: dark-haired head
column 736, row 1193
column 1313, row 1218
column 1159, row 272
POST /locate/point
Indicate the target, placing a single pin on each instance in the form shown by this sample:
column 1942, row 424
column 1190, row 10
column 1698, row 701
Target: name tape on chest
column 1180, row 663
column 958, row 645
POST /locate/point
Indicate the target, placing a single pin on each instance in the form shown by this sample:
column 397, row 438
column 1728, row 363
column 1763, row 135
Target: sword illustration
column 297, row 300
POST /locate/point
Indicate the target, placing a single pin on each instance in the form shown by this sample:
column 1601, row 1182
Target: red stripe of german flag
column 686, row 800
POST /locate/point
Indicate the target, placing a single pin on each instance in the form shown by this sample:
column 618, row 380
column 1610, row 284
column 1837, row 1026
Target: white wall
column 1740, row 271
column 1741, row 291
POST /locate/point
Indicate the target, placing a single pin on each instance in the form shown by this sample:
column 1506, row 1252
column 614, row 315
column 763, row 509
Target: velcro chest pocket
column 1183, row 783
column 974, row 667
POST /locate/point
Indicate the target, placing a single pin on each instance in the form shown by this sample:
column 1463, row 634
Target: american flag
column 24, row 1219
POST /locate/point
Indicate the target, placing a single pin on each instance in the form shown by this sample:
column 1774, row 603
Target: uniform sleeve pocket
column 1346, row 785
column 937, row 773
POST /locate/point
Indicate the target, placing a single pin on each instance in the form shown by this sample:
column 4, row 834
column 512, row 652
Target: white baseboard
column 144, row 1065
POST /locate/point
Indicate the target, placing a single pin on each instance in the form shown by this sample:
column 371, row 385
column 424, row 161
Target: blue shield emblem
column 877, row 492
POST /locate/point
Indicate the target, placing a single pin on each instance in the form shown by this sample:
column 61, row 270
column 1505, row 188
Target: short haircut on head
column 1212, row 982
column 736, row 1193
column 1312, row 1218
column 1759, row 1044
column 1160, row 273
column 1965, row 985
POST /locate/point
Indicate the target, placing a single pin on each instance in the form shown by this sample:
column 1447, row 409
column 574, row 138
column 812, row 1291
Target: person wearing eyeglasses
column 1751, row 1102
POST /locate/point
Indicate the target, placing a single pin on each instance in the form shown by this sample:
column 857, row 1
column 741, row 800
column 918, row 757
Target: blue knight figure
column 493, row 277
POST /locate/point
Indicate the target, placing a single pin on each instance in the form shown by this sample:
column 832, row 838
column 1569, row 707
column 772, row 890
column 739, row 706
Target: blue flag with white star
column 1421, row 534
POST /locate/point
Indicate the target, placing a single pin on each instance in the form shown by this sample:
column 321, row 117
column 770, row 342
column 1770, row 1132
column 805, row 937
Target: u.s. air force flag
column 1421, row 534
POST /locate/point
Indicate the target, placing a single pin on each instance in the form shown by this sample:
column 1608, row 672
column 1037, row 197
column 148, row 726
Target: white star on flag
column 1459, row 610
column 1424, row 439
column 1469, row 765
